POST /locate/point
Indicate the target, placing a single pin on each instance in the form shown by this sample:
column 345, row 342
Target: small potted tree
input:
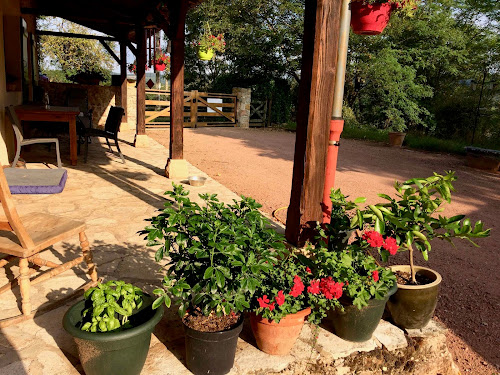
column 217, row 256
column 280, row 306
column 411, row 218
column 370, row 17
column 112, row 328
column 397, row 135
column 348, row 285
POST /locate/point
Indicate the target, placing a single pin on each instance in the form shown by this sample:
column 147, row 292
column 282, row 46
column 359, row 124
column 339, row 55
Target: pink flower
column 391, row 245
column 280, row 298
column 263, row 301
column 314, row 287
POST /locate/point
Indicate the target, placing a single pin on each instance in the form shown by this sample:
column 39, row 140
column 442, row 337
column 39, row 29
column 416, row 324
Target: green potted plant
column 217, row 256
column 411, row 218
column 349, row 286
column 208, row 44
column 280, row 306
column 161, row 61
column 370, row 17
column 112, row 328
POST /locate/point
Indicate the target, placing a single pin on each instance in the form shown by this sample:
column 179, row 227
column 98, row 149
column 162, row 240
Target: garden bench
column 483, row 158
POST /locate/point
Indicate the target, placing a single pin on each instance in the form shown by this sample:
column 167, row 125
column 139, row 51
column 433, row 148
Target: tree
column 73, row 56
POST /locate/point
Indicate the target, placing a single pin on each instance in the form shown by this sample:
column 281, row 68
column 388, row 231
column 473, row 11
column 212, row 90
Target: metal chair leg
column 109, row 145
column 18, row 154
column 119, row 151
column 86, row 150
column 58, row 154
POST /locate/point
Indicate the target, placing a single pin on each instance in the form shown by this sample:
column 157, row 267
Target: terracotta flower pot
column 205, row 54
column 278, row 338
column 396, row 139
column 159, row 67
column 369, row 19
column 412, row 306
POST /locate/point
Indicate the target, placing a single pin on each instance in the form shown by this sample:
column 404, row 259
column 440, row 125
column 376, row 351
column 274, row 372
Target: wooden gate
column 260, row 113
column 200, row 109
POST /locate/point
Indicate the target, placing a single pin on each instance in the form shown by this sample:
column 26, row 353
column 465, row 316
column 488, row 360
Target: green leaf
column 157, row 302
column 220, row 278
column 208, row 273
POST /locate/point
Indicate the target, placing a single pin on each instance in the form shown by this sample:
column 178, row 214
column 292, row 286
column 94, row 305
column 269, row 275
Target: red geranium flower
column 308, row 270
column 263, row 301
column 298, row 287
column 314, row 287
column 330, row 288
column 375, row 276
column 374, row 238
column 271, row 306
column 391, row 245
column 280, row 298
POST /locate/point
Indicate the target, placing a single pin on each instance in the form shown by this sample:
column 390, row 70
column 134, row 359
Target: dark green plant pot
column 357, row 325
column 122, row 352
column 211, row 352
column 412, row 306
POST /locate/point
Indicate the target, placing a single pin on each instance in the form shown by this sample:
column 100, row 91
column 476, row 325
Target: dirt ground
column 258, row 163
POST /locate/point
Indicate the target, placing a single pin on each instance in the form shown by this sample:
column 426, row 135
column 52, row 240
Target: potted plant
column 132, row 68
column 370, row 17
column 217, row 256
column 397, row 134
column 280, row 306
column 348, row 285
column 112, row 328
column 411, row 218
column 161, row 61
column 208, row 44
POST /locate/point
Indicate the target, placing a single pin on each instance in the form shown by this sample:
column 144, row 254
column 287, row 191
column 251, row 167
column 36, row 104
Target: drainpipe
column 336, row 122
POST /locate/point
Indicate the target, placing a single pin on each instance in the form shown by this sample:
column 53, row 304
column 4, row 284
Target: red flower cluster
column 330, row 288
column 375, row 275
column 298, row 286
column 308, row 270
column 280, row 298
column 375, row 239
column 391, row 245
column 263, row 301
column 314, row 287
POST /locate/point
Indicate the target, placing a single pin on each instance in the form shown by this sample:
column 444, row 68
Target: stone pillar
column 243, row 106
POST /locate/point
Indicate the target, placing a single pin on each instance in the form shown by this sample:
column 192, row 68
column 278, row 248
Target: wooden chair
column 25, row 237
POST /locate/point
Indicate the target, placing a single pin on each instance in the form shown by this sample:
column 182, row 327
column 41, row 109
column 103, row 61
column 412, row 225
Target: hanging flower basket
column 160, row 62
column 370, row 19
column 205, row 54
column 159, row 67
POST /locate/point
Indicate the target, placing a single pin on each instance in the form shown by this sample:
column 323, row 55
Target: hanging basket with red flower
column 161, row 61
column 132, row 68
column 370, row 17
column 208, row 44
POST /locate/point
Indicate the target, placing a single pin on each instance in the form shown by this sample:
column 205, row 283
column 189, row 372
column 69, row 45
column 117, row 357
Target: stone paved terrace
column 114, row 199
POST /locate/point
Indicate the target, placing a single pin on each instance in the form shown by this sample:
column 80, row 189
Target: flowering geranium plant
column 409, row 6
column 161, row 58
column 132, row 68
column 283, row 291
column 217, row 254
column 208, row 41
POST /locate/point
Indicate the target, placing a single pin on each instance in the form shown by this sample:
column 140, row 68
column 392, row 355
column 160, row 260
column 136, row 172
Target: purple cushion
column 36, row 181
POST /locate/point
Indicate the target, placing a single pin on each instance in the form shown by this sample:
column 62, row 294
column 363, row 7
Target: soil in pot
column 357, row 325
column 278, row 338
column 412, row 306
column 211, row 352
column 121, row 352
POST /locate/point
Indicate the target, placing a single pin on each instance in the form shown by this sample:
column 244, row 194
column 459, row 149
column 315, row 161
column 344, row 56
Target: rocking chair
column 25, row 237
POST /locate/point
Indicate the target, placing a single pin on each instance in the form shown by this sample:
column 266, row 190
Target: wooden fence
column 260, row 113
column 200, row 109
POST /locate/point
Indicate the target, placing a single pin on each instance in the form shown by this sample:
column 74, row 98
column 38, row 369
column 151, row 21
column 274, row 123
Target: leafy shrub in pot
column 217, row 256
column 112, row 328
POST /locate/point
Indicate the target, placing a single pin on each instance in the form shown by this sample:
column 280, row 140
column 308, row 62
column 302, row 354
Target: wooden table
column 53, row 114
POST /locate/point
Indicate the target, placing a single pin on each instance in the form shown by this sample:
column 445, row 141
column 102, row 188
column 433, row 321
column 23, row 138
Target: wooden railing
column 199, row 109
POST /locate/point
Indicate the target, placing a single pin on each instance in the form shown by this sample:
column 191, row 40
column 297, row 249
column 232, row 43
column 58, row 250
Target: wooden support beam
column 141, row 81
column 132, row 48
column 123, row 79
column 319, row 57
column 74, row 35
column 176, row 34
column 110, row 51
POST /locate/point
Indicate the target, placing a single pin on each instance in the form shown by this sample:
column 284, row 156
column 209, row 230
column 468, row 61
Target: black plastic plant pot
column 117, row 352
column 357, row 325
column 412, row 307
column 211, row 352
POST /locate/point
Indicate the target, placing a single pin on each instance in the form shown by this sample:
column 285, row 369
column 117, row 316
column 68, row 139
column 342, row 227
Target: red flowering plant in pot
column 161, row 61
column 348, row 285
column 208, row 44
column 413, row 219
column 370, row 17
column 280, row 306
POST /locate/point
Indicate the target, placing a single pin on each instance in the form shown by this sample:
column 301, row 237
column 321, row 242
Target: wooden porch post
column 123, row 79
column 176, row 165
column 140, row 136
column 319, row 57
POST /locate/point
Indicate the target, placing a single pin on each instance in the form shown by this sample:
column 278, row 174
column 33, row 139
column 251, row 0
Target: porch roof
column 118, row 18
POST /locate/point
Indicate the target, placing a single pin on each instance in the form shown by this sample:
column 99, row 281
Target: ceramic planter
column 159, row 67
column 412, row 306
column 121, row 352
column 205, row 54
column 278, row 338
column 211, row 352
column 369, row 19
column 357, row 325
column 396, row 139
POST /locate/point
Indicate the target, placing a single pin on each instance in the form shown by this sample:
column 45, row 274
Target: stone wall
column 100, row 98
column 243, row 106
